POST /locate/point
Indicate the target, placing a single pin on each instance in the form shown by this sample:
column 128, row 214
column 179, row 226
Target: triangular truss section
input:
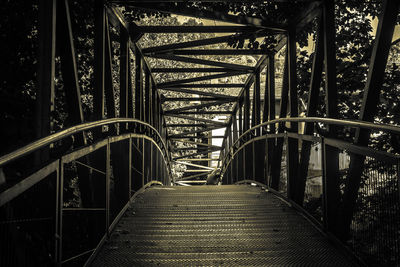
column 198, row 108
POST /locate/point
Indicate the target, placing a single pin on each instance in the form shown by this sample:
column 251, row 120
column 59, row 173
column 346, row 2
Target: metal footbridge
column 127, row 185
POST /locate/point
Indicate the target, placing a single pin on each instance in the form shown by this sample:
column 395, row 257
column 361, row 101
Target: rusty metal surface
column 230, row 225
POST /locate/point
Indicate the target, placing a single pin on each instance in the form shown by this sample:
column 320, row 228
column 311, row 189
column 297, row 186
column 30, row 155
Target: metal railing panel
column 91, row 186
column 375, row 224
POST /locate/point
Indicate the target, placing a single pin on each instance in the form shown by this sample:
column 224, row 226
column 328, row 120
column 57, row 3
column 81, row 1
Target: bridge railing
column 61, row 212
column 365, row 216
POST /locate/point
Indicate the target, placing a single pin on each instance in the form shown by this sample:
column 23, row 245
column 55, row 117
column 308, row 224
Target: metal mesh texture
column 230, row 225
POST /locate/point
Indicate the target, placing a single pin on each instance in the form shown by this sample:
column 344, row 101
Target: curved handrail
column 67, row 132
column 339, row 122
column 348, row 123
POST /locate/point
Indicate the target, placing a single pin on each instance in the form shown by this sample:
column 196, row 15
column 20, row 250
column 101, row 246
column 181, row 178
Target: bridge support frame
column 376, row 72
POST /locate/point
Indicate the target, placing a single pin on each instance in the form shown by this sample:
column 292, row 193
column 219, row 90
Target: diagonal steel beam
column 201, row 159
column 196, row 119
column 209, row 41
column 194, row 143
column 196, row 99
column 204, row 105
column 196, row 29
column 215, row 85
column 191, row 137
column 196, row 154
column 180, row 70
column 194, row 165
column 176, row 149
column 200, row 112
column 184, row 178
column 312, row 105
column 200, row 171
column 372, row 91
column 185, row 125
column 195, row 92
column 203, row 62
column 217, row 52
column 202, row 78
column 196, row 131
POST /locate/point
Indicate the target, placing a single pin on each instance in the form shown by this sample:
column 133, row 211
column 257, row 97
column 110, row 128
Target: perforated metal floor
column 231, row 225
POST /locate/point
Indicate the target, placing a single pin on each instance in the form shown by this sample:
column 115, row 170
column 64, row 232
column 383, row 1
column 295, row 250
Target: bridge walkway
column 226, row 225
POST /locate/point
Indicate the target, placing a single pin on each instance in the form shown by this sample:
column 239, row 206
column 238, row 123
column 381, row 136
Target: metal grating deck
column 230, row 225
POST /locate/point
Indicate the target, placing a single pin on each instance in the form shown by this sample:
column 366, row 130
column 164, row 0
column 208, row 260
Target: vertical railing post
column 398, row 174
column 143, row 161
column 229, row 145
column 325, row 216
column 107, row 192
column 286, row 141
column 241, row 152
column 158, row 163
column 130, row 168
column 235, row 137
column 151, row 161
column 59, row 213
